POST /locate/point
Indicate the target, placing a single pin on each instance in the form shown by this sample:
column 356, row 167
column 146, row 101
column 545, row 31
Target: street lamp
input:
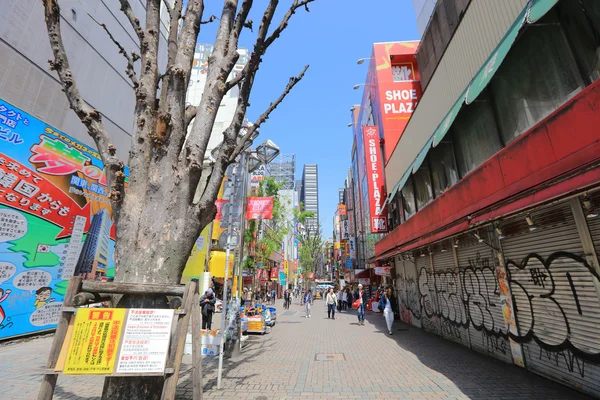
column 357, row 86
column 267, row 151
column 362, row 60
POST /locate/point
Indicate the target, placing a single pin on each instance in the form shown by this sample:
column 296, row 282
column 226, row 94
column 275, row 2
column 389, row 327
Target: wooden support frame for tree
column 80, row 289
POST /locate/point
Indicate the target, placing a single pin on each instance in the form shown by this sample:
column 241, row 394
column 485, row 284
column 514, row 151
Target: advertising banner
column 352, row 243
column 375, row 179
column 382, row 271
column 345, row 225
column 341, row 209
column 55, row 220
column 259, row 208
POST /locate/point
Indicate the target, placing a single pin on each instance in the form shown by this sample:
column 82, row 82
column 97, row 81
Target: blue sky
column 312, row 121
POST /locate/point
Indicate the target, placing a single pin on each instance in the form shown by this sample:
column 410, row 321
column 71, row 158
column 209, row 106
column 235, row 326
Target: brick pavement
column 411, row 364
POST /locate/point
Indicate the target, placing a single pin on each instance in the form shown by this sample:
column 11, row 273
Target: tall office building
column 309, row 194
column 93, row 258
column 196, row 89
column 283, row 169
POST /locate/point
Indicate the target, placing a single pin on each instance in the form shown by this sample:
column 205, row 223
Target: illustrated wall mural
column 55, row 220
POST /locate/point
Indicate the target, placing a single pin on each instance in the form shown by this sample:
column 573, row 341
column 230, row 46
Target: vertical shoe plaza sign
column 55, row 220
column 375, row 179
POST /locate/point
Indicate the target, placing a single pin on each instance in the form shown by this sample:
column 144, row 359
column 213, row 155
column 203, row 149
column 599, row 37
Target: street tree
column 171, row 190
column 262, row 238
column 310, row 242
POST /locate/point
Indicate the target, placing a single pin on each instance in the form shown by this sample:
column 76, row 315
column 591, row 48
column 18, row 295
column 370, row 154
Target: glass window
column 443, row 167
column 538, row 76
column 475, row 135
column 408, row 199
column 581, row 21
column 423, row 189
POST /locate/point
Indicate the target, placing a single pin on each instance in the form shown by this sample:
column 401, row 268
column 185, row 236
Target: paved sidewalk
column 317, row 358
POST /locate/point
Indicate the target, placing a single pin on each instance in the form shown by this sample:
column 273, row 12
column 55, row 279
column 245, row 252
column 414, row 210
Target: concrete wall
column 27, row 82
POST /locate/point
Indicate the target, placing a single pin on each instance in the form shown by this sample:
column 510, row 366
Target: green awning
column 447, row 122
column 539, row 8
column 421, row 157
column 398, row 186
column 489, row 68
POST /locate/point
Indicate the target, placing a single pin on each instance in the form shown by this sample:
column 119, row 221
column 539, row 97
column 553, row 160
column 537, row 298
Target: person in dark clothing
column 207, row 302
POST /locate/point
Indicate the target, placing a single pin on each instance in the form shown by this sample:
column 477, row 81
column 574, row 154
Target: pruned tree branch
column 286, row 19
column 208, row 21
column 265, row 115
column 135, row 23
column 129, row 70
column 89, row 116
column 190, row 113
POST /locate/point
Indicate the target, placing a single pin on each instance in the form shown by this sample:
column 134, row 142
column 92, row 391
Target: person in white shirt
column 344, row 299
column 331, row 301
column 388, row 304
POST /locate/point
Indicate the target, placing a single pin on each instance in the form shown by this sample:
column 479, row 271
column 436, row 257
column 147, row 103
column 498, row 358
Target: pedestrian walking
column 307, row 301
column 388, row 304
column 361, row 297
column 344, row 299
column 338, row 295
column 331, row 301
column 273, row 296
column 287, row 299
column 207, row 302
column 348, row 298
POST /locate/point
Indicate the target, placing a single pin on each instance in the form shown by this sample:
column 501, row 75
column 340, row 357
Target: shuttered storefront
column 452, row 312
column 426, row 285
column 556, row 296
column 488, row 332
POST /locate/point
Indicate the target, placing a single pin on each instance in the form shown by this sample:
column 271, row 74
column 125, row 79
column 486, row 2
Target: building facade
column 93, row 259
column 496, row 190
column 196, row 88
column 309, row 194
column 283, row 169
column 392, row 90
column 99, row 70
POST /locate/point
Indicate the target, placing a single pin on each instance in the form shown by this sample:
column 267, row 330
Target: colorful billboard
column 395, row 89
column 55, row 220
column 375, row 180
column 259, row 208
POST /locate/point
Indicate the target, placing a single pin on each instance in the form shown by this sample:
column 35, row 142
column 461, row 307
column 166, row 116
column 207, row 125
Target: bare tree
column 157, row 219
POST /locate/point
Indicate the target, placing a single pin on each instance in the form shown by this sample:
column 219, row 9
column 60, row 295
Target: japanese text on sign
column 145, row 341
column 95, row 341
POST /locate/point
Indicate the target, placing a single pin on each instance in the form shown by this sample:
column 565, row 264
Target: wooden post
column 196, row 345
column 178, row 342
column 49, row 378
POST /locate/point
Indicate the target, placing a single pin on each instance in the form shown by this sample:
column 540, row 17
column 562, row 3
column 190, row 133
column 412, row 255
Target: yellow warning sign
column 95, row 341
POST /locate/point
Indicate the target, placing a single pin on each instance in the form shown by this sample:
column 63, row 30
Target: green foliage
column 310, row 250
column 273, row 230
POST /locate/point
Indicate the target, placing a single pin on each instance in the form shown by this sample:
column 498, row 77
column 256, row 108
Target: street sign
column 233, row 242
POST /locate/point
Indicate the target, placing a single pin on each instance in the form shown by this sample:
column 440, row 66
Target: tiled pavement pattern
column 363, row 363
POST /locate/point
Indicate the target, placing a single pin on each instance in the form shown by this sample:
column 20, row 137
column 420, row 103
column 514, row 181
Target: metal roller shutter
column 594, row 223
column 488, row 332
column 426, row 284
column 555, row 295
column 410, row 306
column 452, row 311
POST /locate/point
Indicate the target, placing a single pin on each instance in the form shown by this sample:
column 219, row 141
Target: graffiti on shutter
column 555, row 292
column 488, row 331
column 408, row 294
column 430, row 320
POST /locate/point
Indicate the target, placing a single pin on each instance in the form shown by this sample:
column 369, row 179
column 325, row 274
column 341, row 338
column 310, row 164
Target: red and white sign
column 383, row 271
column 259, row 208
column 375, row 179
column 364, row 281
